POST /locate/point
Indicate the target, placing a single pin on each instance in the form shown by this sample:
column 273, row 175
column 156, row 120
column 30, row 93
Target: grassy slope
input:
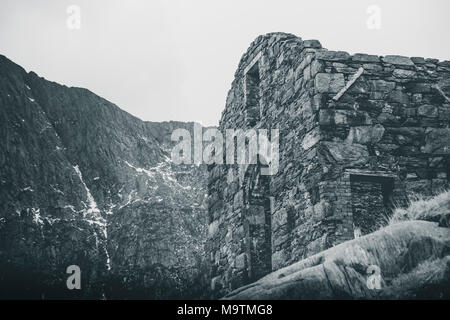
column 436, row 209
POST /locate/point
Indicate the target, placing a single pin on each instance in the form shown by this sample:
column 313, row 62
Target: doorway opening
column 371, row 202
column 258, row 216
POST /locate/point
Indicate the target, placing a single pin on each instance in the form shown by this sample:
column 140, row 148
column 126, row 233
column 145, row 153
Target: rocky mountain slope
column 84, row 183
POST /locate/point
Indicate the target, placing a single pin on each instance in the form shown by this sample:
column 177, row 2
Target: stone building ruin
column 358, row 134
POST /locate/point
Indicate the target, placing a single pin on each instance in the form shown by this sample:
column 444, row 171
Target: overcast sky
column 175, row 59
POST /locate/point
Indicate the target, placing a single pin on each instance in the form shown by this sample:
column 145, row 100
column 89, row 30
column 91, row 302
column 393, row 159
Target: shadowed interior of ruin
column 371, row 206
column 258, row 213
column 252, row 95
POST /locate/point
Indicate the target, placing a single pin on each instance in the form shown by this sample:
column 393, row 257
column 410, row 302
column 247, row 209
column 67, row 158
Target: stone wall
column 347, row 125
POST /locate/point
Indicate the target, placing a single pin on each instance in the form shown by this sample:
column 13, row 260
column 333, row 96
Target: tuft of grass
column 421, row 208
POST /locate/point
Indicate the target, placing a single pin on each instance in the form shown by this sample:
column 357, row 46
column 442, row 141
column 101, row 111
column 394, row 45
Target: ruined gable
column 358, row 134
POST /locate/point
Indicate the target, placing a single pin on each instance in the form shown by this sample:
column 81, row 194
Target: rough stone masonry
column 359, row 134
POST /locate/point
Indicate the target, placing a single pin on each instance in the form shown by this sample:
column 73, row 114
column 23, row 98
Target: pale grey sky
column 175, row 59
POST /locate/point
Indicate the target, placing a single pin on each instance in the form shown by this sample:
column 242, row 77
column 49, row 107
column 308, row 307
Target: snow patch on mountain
column 94, row 214
column 92, row 204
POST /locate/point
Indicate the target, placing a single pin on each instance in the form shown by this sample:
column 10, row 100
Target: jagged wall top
column 324, row 54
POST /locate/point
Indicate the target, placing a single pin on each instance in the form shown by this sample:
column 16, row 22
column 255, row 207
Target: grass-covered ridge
column 436, row 209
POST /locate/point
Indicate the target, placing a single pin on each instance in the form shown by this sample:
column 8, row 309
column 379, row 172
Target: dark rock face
column 84, row 183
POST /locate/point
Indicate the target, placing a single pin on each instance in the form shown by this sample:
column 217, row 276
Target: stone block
column 279, row 260
column 329, row 82
column 306, row 109
column 381, row 85
column 365, row 134
column 435, row 162
column 310, row 139
column 326, row 117
column 419, row 87
column 213, row 228
column 399, row 96
column 343, row 68
column 321, row 210
column 312, row 44
column 373, row 69
column 398, row 60
column 238, row 200
column 351, row 118
column 256, row 215
column 444, row 112
column 216, row 283
column 317, row 245
column 427, row 111
column 360, row 57
column 437, row 141
column 422, row 187
column 332, row 55
column 240, row 263
column 279, row 219
column 307, row 73
column 409, row 112
column 316, row 67
column 345, row 153
column 404, row 74
column 280, row 240
column 405, row 135
column 444, row 63
column 418, row 60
